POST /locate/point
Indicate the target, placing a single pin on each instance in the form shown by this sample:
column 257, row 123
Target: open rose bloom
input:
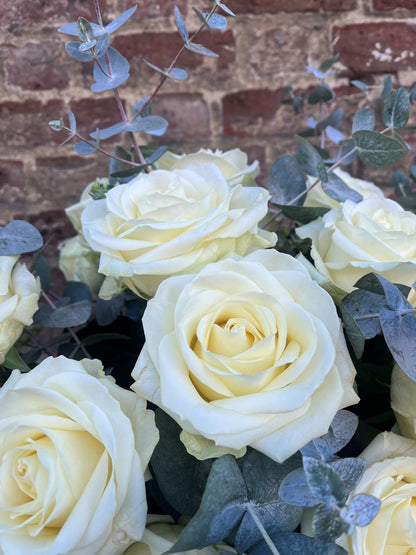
column 374, row 235
column 74, row 448
column 172, row 222
column 249, row 351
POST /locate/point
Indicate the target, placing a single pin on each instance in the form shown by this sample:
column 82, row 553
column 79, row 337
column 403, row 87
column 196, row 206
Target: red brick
column 35, row 66
column 12, row 173
column 155, row 8
column 376, row 47
column 160, row 49
column 276, row 6
column 187, row 114
column 389, row 5
column 247, row 113
column 25, row 124
column 93, row 112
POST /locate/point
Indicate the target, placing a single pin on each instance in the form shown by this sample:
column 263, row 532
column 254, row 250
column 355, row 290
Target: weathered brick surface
column 276, row 6
column 376, row 47
column 150, row 8
column 11, row 174
column 187, row 114
column 388, row 5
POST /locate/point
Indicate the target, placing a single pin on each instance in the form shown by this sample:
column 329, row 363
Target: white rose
column 374, row 235
column 74, row 448
column 80, row 263
column 317, row 197
column 160, row 535
column 390, row 475
column 247, row 352
column 232, row 163
column 173, row 222
column 19, row 295
column 75, row 211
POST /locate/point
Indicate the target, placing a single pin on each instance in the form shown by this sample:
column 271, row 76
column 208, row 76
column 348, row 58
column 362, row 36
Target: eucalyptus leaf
column 119, row 21
column 56, row 124
column 85, row 30
column 353, row 331
column 64, row 316
column 350, row 470
column 342, row 154
column 399, row 330
column 286, row 180
column 360, row 85
column 108, row 132
column 102, row 46
column 317, row 72
column 158, row 153
column 153, row 125
column 85, row 46
column 181, row 25
column 83, row 149
column 310, row 160
column 323, row 481
column 360, row 303
column 107, row 311
column 295, row 490
column 224, row 8
column 334, row 134
column 77, row 291
column 337, row 189
column 364, row 120
column 302, row 214
column 110, row 79
column 334, row 119
column 376, row 149
column 19, row 237
column 139, row 105
column 321, row 93
column 387, row 88
column 327, row 64
column 361, row 510
column 217, row 21
column 72, row 29
column 202, row 18
column 397, row 109
column 327, row 524
column 73, row 49
column 293, row 543
column 199, row 49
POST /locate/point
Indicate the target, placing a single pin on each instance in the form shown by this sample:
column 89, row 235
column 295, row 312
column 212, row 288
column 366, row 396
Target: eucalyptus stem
column 71, row 331
column 175, row 59
column 262, row 530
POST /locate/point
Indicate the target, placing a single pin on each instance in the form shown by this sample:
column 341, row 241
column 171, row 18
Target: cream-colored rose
column 19, row 295
column 73, row 451
column 249, row 351
column 80, row 263
column 317, row 197
column 160, row 535
column 390, row 475
column 374, row 235
column 232, row 163
column 173, row 222
column 74, row 212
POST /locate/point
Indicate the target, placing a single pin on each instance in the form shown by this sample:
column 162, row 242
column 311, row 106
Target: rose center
column 233, row 337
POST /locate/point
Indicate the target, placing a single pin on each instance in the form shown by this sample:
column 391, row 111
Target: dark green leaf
column 321, row 93
column 376, row 149
column 399, row 330
column 334, row 119
column 14, row 361
column 65, row 316
column 18, row 237
column 310, row 160
column 397, row 109
column 77, row 291
column 295, row 490
column 107, row 311
column 202, row 19
column 43, row 269
column 85, row 31
column 286, row 180
column 412, row 93
column 181, row 25
column 293, row 543
column 327, row 64
column 361, row 510
column 350, row 470
column 353, row 331
column 362, row 303
column 302, row 214
column 364, row 120
column 158, row 153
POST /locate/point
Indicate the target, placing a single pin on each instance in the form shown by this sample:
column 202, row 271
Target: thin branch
column 262, row 530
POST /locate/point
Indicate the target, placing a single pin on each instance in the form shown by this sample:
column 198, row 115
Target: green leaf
column 175, row 73
column 65, row 315
column 181, row 25
column 337, row 189
column 224, row 8
column 350, row 471
column 14, row 361
column 327, row 64
column 295, row 490
column 73, row 49
column 202, row 19
column 85, row 31
column 397, row 109
column 19, row 237
column 353, row 331
column 217, row 21
column 321, row 93
column 362, row 303
column 84, row 149
column 376, row 149
column 152, row 125
column 293, row 543
column 56, row 124
column 361, row 510
column 107, row 311
column 310, row 160
column 323, row 481
column 364, row 120
column 399, row 330
column 334, row 119
column 286, row 180
column 113, row 78
column 302, row 214
column 77, row 291
column 387, row 88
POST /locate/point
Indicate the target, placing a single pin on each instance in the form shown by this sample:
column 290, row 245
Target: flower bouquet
column 229, row 368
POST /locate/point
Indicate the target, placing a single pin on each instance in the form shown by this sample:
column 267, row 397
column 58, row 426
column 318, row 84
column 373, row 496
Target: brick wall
column 226, row 102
